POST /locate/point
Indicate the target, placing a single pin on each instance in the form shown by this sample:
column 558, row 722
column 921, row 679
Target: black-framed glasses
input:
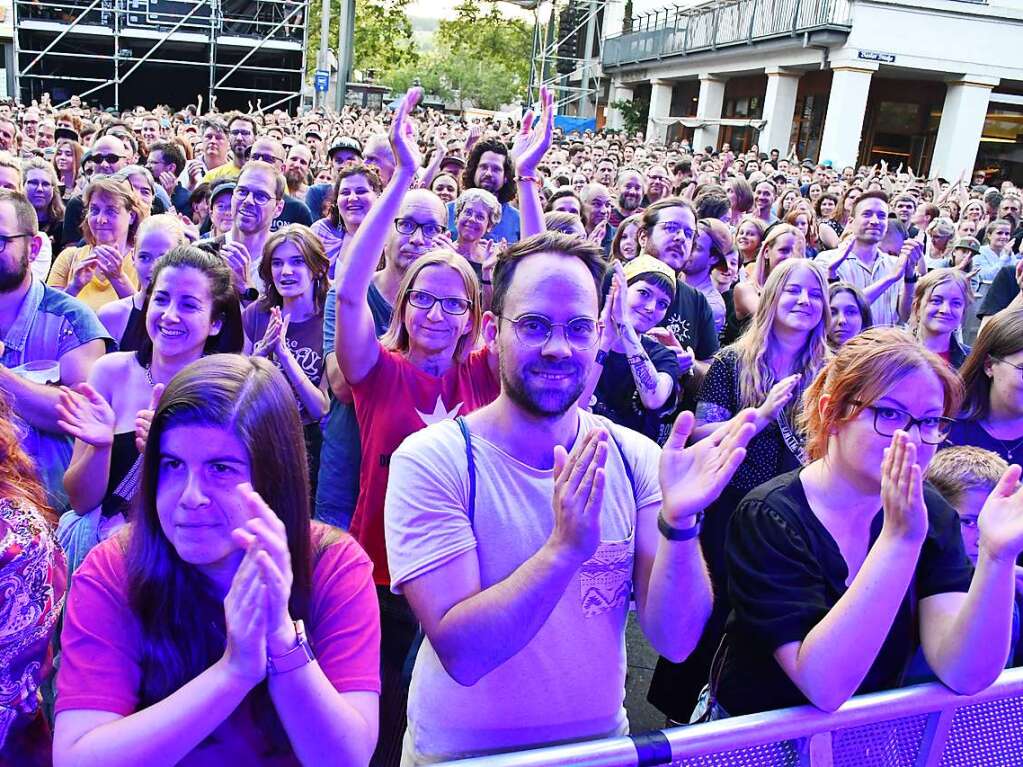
column 259, row 197
column 933, row 429
column 5, row 239
column 407, row 227
column 535, row 330
column 1010, row 364
column 422, row 299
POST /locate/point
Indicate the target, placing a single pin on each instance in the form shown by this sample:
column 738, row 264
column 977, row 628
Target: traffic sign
column 321, row 81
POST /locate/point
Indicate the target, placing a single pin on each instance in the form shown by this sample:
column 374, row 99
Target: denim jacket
column 49, row 324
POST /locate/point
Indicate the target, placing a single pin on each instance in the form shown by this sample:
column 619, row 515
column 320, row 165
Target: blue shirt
column 507, row 228
column 49, row 324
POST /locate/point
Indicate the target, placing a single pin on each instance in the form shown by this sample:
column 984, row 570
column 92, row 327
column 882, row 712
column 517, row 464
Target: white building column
column 619, row 92
column 779, row 108
column 708, row 106
column 660, row 109
column 843, row 124
column 961, row 126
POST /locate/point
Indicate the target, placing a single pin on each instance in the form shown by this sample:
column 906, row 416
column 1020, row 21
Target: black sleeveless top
column 134, row 331
column 123, row 455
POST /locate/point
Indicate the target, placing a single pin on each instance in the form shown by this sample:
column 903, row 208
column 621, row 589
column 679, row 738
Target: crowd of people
column 354, row 438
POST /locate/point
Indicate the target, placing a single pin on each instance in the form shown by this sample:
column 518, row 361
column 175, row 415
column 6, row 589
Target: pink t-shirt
column 100, row 669
column 397, row 399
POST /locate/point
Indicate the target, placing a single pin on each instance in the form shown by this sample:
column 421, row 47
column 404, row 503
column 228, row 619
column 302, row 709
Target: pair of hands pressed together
column 103, row 259
column 256, row 606
column 275, row 338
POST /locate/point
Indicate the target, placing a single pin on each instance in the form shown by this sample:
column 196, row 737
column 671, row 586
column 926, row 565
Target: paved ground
column 642, row 659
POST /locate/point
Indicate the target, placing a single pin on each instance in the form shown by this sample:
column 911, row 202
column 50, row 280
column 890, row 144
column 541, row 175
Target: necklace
column 1005, row 445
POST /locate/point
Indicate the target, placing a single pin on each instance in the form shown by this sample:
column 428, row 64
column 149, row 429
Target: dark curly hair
column 507, row 190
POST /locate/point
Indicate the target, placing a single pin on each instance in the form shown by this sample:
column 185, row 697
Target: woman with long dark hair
column 223, row 627
column 192, row 310
column 355, row 189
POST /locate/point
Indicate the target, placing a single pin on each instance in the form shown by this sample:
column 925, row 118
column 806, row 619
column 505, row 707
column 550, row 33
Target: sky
column 445, row 9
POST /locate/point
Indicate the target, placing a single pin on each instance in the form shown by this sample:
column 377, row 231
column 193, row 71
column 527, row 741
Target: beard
column 541, row 403
column 13, row 277
column 294, row 178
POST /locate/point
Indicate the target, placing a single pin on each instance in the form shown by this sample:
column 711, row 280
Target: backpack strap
column 471, row 511
column 625, row 463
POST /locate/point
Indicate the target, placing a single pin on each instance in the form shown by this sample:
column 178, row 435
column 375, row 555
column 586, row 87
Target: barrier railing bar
column 769, row 727
column 818, row 751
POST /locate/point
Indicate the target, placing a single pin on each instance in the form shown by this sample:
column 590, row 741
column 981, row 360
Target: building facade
column 933, row 85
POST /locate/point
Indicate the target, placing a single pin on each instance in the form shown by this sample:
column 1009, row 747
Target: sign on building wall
column 887, row 58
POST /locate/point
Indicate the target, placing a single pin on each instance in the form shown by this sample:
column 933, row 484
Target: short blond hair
column 956, row 470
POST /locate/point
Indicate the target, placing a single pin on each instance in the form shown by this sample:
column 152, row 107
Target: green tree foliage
column 634, row 114
column 383, row 35
column 481, row 58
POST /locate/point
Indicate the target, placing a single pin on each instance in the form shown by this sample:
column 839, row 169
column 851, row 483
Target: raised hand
column 779, row 396
column 144, row 419
column 579, row 494
column 84, row 414
column 238, row 258
column 693, row 477
column 837, row 262
column 1001, row 519
column 597, row 235
column 246, row 615
column 902, row 493
column 534, row 138
column 271, row 340
column 264, row 537
column 82, row 273
column 168, row 181
column 403, row 133
column 110, row 260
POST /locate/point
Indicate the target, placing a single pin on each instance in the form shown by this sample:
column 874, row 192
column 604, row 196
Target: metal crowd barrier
column 924, row 726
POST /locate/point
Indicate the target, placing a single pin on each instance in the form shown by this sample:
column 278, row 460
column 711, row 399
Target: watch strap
column 676, row 534
column 296, row 657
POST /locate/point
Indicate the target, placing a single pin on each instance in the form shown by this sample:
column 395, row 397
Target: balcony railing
column 678, row 32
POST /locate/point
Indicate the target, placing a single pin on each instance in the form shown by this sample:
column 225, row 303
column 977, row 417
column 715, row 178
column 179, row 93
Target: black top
column 733, row 327
column 785, row 573
column 689, row 317
column 970, row 432
column 618, row 399
column 123, row 455
column 134, row 331
column 1003, row 289
column 767, row 454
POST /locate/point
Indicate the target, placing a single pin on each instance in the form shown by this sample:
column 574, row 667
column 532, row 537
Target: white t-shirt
column 568, row 682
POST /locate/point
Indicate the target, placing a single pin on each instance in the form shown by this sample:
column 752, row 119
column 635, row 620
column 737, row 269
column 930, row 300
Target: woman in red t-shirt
column 426, row 368
column 223, row 627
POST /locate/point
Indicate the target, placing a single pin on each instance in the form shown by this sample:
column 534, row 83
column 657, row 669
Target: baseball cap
column 344, row 144
column 221, row 187
column 968, row 243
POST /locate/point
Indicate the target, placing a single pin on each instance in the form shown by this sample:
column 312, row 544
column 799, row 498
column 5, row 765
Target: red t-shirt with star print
column 397, row 399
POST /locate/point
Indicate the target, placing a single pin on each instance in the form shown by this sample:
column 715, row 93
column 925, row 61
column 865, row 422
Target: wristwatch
column 674, row 533
column 296, row 657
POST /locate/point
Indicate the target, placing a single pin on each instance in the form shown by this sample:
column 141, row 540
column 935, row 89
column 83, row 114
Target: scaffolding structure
column 232, row 53
column 564, row 60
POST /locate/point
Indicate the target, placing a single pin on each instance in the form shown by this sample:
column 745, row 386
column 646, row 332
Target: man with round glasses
column 256, row 200
column 518, row 533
